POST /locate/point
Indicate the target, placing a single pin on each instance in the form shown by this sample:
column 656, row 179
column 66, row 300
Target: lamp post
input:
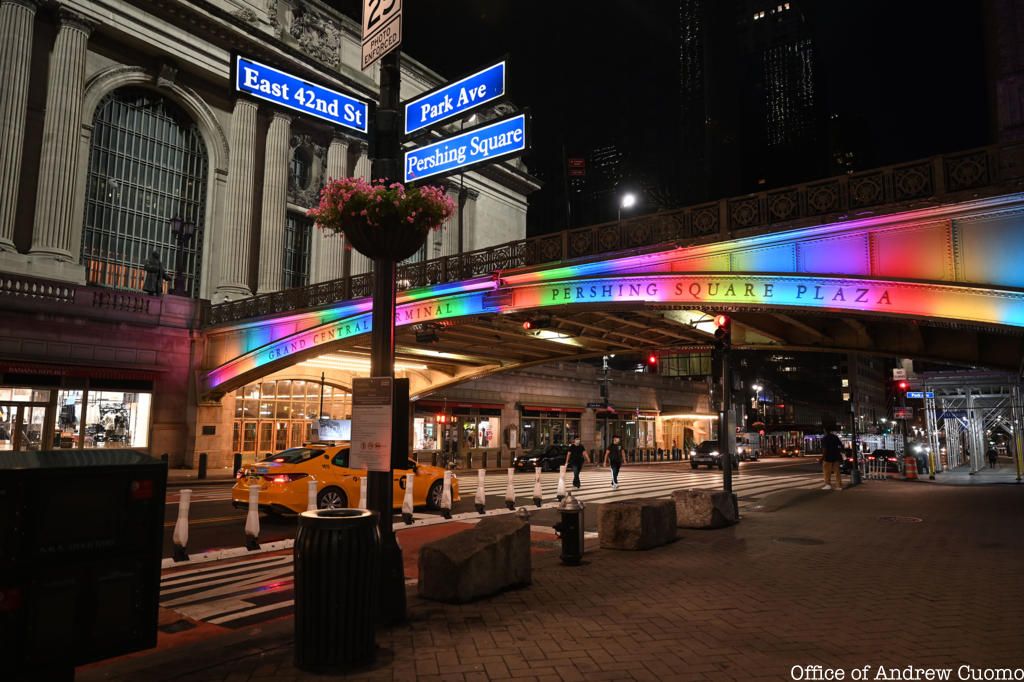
column 183, row 231
column 628, row 201
column 757, row 388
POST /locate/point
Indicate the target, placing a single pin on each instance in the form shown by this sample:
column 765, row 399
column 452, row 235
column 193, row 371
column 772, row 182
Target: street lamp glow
column 628, row 200
column 757, row 387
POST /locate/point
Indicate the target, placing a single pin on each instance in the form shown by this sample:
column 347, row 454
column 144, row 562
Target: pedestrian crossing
column 211, row 494
column 234, row 594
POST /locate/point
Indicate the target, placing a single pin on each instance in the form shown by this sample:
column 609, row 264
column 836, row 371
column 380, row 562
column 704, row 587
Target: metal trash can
column 337, row 568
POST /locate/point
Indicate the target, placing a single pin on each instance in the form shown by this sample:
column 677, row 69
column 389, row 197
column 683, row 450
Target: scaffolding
column 963, row 409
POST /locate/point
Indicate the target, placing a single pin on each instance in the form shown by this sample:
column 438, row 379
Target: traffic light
column 537, row 323
column 723, row 334
column 652, row 359
column 903, row 385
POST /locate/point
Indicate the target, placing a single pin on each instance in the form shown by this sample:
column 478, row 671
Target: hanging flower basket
column 381, row 220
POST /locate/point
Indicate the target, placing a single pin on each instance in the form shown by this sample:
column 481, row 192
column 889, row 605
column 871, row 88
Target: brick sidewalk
column 826, row 580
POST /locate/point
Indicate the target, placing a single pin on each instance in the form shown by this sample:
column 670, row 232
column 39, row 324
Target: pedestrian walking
column 833, row 457
column 574, row 458
column 613, row 458
column 993, row 457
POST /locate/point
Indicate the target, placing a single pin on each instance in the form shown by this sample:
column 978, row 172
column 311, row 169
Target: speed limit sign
column 382, row 29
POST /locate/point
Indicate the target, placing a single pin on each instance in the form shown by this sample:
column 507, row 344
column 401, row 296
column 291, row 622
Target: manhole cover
column 801, row 541
column 901, row 519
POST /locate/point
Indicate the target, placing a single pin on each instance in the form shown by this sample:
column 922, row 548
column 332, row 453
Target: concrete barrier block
column 492, row 556
column 705, row 508
column 640, row 523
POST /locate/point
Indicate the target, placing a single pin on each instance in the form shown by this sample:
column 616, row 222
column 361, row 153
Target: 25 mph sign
column 382, row 29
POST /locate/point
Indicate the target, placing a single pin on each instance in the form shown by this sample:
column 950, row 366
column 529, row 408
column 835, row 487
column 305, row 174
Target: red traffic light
column 721, row 321
column 903, row 385
column 652, row 359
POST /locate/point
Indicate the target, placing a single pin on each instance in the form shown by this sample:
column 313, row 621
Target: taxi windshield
column 294, row 455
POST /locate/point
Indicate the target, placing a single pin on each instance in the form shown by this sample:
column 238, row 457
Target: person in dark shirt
column 574, row 458
column 833, row 449
column 613, row 458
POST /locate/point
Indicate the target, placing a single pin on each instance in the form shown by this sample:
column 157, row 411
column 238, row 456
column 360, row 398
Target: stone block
column 640, row 523
column 488, row 558
column 705, row 508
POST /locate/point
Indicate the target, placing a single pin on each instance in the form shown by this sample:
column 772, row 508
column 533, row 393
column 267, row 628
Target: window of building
column 548, row 428
column 301, row 168
column 275, row 415
column 297, row 236
column 147, row 164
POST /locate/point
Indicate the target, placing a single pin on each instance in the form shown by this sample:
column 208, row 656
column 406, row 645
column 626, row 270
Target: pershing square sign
column 484, row 144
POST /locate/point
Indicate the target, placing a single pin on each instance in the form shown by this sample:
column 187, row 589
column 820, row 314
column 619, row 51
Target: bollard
column 510, row 491
column 570, row 530
column 252, row 520
column 180, row 536
column 483, row 464
column 560, row 493
column 498, row 463
column 433, row 458
column 538, row 491
column 237, row 465
column 362, row 491
column 202, row 466
column 481, row 495
column 311, row 494
column 410, row 480
column 446, row 495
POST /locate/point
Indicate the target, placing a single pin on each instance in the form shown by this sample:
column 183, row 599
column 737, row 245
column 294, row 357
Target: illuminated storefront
column 549, row 425
column 455, row 428
column 275, row 415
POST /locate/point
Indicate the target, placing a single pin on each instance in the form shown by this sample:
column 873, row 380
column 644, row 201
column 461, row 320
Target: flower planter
column 397, row 243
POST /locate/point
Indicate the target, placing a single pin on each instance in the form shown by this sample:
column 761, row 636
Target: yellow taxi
column 284, row 478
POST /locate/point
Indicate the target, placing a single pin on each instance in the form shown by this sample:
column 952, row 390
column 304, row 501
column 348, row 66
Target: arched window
column 147, row 165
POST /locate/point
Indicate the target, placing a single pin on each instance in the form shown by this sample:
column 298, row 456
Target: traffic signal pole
column 723, row 422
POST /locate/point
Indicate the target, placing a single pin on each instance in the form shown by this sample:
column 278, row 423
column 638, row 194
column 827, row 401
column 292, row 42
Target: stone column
column 58, row 161
column 234, row 240
column 360, row 263
column 275, row 204
column 17, row 18
column 330, row 250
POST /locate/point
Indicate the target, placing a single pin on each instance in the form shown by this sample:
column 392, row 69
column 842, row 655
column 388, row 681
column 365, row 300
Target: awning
column 78, row 371
column 552, row 408
column 450, row 404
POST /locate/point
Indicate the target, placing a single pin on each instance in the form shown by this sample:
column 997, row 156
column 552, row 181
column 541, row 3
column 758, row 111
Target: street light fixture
column 628, row 201
column 183, row 231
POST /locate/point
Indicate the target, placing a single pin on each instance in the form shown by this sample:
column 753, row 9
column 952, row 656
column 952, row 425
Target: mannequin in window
column 156, row 275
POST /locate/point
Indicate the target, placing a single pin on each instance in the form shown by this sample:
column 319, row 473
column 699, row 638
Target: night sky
column 912, row 72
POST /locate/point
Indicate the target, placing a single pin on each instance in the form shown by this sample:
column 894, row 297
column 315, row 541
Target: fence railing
column 967, row 173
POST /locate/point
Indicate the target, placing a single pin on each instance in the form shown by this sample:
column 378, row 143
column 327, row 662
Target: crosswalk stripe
column 252, row 612
column 217, row 572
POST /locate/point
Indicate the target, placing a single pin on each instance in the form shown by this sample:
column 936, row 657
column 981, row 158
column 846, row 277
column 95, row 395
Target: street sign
column 577, row 167
column 275, row 86
column 597, row 405
column 455, row 99
column 898, row 373
column 371, row 423
column 382, row 29
column 952, row 414
column 903, row 413
column 486, row 143
column 921, row 394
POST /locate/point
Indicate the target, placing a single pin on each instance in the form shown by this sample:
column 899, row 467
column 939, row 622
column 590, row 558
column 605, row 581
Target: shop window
column 282, row 414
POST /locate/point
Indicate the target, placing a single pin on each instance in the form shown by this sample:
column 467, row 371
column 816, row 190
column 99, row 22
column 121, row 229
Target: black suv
column 707, row 453
column 547, row 457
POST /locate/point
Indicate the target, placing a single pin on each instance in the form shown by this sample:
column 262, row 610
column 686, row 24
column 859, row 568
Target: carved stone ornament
column 317, row 34
column 309, row 195
column 166, row 75
column 272, row 12
column 246, row 15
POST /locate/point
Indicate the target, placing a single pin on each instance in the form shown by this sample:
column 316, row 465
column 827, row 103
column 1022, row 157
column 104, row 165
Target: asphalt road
column 215, row 524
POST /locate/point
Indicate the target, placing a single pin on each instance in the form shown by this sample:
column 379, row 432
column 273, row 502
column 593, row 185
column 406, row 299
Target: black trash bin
column 337, row 567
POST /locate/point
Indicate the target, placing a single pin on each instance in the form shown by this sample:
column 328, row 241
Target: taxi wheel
column 331, row 498
column 434, row 495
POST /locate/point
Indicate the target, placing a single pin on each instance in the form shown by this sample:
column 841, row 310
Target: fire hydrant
column 570, row 530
